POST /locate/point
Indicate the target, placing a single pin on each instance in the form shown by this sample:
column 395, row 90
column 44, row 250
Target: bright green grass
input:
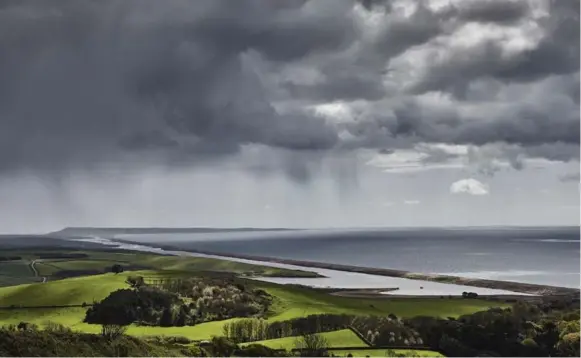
column 297, row 301
column 290, row 302
column 64, row 292
column 381, row 352
column 341, row 338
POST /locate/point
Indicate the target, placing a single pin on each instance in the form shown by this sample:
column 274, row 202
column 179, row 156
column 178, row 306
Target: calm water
column 333, row 278
column 534, row 255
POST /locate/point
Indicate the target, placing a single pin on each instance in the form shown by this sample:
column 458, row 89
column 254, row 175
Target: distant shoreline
column 520, row 287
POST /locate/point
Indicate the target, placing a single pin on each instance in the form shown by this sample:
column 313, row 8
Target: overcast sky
column 321, row 113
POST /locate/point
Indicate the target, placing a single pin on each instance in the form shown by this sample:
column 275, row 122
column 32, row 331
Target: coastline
column 519, row 287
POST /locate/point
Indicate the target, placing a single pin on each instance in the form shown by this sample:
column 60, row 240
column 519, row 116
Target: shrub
column 50, row 326
column 112, row 331
column 312, row 345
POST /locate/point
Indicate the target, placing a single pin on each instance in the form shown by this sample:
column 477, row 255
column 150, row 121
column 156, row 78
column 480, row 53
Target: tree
column 117, row 268
column 134, row 281
column 166, row 319
column 568, row 346
column 312, row 345
column 112, row 331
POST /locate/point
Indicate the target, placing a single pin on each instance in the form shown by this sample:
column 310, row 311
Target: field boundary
column 360, row 335
column 409, row 348
column 17, row 307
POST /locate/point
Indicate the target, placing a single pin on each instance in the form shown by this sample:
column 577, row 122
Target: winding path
column 33, row 268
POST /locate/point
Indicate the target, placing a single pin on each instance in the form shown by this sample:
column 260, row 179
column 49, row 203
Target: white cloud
column 469, row 186
column 411, row 202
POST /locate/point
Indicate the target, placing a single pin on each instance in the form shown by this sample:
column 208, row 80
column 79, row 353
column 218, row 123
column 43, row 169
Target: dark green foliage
column 523, row 330
column 64, row 343
column 220, row 347
column 167, row 318
column 258, row 350
column 116, row 268
column 126, row 306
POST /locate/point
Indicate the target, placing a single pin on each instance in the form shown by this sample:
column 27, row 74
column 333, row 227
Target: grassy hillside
column 299, row 301
column 290, row 302
column 342, row 338
column 72, row 291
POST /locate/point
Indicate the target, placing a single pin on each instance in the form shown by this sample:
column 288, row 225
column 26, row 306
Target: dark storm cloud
column 92, row 76
column 85, row 82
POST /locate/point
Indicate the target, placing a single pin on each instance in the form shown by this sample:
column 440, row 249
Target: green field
column 299, row 301
column 290, row 302
column 342, row 338
column 16, row 273
column 382, row 352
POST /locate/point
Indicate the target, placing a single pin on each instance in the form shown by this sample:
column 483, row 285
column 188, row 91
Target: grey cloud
column 88, row 82
column 342, row 86
column 556, row 54
column 497, row 11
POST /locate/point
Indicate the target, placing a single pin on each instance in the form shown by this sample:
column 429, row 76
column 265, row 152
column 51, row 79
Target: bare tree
column 112, row 331
column 312, row 345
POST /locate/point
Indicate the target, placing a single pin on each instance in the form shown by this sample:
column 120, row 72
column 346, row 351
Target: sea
column 539, row 255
